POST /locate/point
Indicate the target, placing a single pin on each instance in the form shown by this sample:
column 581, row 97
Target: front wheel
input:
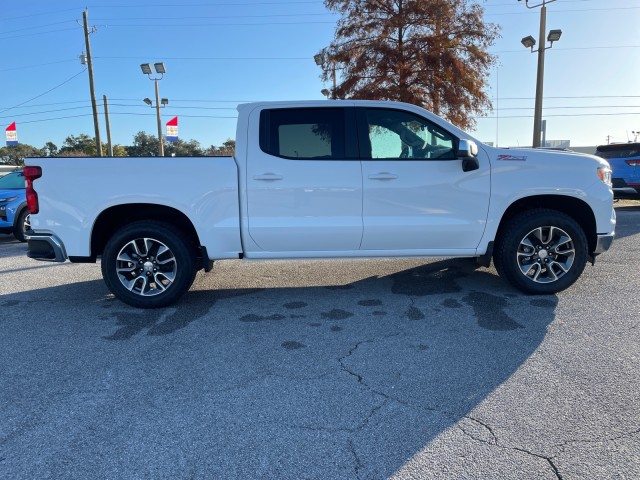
column 148, row 264
column 541, row 251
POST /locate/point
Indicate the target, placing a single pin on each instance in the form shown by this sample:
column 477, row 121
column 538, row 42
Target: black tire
column 149, row 264
column 541, row 251
column 22, row 225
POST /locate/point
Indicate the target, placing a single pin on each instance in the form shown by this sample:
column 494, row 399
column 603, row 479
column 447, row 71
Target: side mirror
column 468, row 151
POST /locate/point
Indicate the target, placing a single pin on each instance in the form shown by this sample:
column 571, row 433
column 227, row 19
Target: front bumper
column 46, row 247
column 603, row 243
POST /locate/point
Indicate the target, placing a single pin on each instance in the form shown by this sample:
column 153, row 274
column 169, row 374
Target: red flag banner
column 172, row 130
column 12, row 134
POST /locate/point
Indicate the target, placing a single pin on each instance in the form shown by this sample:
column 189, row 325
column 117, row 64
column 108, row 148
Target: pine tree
column 432, row 53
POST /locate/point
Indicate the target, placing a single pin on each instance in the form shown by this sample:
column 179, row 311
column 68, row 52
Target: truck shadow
column 351, row 380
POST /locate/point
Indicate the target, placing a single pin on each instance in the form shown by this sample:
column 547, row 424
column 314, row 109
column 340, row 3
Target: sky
column 219, row 53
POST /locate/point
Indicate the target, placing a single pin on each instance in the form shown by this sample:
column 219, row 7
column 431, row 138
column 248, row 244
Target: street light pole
column 321, row 60
column 529, row 42
column 160, row 70
column 537, row 115
column 161, row 149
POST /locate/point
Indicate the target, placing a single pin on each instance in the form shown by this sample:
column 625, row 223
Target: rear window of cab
column 622, row 150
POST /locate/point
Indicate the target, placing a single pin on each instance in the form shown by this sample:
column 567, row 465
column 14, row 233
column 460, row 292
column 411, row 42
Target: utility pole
column 106, row 119
column 94, row 105
column 529, row 42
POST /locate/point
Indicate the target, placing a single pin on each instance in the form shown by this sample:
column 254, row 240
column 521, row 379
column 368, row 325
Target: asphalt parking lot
column 404, row 369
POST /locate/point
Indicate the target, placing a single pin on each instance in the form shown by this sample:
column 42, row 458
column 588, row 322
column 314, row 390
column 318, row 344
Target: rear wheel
column 148, row 264
column 541, row 251
column 22, row 225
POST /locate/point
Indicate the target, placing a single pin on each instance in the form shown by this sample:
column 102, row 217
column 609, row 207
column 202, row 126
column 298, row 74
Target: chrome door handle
column 268, row 177
column 383, row 176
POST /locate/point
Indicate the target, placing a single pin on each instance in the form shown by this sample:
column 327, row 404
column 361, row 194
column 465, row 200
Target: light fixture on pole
column 530, row 42
column 160, row 70
column 319, row 58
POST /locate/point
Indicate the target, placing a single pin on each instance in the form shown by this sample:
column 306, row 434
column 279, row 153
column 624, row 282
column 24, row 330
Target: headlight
column 604, row 173
column 7, row 200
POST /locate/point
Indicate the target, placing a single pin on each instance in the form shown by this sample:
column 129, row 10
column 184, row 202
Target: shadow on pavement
column 345, row 381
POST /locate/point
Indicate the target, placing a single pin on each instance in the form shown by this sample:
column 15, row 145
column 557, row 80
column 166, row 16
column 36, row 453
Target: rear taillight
column 633, row 163
column 30, row 174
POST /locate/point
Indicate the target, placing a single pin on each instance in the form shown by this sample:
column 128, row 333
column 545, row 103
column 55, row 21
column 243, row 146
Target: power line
column 37, row 33
column 35, row 27
column 206, row 17
column 202, row 100
column 225, row 4
column 36, row 65
column 562, row 115
column 10, row 19
column 42, row 94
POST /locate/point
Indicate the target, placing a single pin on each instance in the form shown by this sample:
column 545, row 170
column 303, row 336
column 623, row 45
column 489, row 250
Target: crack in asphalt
column 495, row 443
column 359, row 377
column 482, row 424
column 358, row 463
column 548, row 459
column 566, row 443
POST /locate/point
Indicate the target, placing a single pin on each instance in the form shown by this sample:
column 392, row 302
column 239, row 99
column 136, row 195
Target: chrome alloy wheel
column 146, row 266
column 545, row 254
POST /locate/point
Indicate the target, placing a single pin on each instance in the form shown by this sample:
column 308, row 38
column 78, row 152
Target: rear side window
column 303, row 133
column 618, row 151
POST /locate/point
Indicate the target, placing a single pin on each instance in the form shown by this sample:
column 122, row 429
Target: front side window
column 400, row 134
column 304, row 133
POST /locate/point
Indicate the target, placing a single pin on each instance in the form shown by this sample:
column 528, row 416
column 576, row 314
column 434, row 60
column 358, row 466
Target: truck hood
column 541, row 157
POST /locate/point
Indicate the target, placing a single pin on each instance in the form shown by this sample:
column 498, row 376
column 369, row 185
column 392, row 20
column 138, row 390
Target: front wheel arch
column 577, row 209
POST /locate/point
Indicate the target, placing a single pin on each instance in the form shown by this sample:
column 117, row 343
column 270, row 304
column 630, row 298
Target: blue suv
column 14, row 215
column 624, row 159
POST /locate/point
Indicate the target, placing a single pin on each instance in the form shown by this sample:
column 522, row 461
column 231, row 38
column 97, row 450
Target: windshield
column 12, row 180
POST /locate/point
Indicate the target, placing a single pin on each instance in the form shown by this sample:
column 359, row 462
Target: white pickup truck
column 324, row 179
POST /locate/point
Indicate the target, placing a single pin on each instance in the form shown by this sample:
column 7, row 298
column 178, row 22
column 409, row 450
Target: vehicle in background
column 14, row 215
column 624, row 159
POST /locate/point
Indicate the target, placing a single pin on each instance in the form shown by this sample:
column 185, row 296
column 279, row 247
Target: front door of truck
column 304, row 182
column 415, row 194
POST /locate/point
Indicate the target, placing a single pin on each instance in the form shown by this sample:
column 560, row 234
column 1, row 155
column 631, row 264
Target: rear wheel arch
column 114, row 218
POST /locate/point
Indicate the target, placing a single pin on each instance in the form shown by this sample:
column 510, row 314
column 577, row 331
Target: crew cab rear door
column 304, row 181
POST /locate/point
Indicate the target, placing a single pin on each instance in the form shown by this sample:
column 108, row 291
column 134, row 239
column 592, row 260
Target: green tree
column 144, row 145
column 80, row 146
column 227, row 149
column 50, row 149
column 15, row 154
column 183, row 148
column 432, row 53
column 119, row 151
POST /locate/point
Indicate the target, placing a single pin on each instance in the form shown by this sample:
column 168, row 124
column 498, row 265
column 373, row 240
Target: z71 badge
column 514, row 158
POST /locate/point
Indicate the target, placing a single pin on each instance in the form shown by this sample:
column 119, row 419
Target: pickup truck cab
column 324, row 179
